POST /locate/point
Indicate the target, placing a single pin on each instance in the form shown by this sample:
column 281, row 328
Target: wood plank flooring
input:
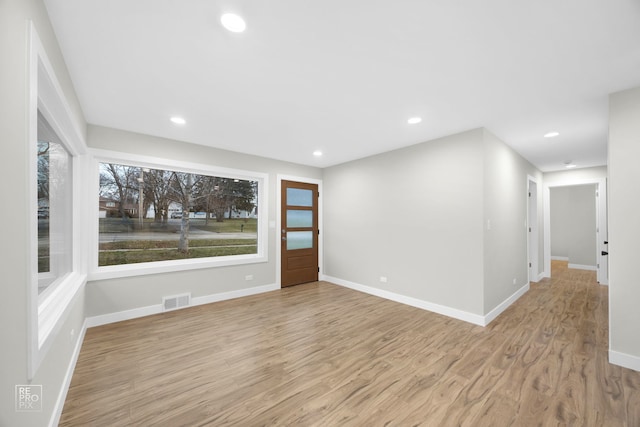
column 322, row 355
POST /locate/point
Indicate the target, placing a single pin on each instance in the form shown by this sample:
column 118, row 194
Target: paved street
column 193, row 234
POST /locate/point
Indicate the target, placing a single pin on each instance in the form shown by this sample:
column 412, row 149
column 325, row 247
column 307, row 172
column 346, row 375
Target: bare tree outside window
column 148, row 215
column 54, row 206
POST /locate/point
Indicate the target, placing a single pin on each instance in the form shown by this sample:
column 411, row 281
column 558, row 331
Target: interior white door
column 532, row 230
column 602, row 234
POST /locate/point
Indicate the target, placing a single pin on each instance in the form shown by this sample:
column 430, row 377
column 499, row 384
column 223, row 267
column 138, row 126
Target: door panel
column 298, row 262
column 299, row 239
column 300, row 196
column 298, row 218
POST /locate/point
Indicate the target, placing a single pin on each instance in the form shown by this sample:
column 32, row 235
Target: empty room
column 319, row 214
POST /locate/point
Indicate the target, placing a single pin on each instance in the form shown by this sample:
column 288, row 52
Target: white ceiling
column 344, row 76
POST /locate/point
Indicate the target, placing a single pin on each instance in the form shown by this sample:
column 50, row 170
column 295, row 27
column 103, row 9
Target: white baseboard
column 624, row 360
column 537, row 277
column 134, row 313
column 66, row 382
column 433, row 307
column 559, row 258
column 489, row 317
column 223, row 296
column 119, row 316
column 582, row 267
column 414, row 302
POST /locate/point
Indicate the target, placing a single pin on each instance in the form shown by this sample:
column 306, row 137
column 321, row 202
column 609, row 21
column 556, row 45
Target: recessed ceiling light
column 414, row 120
column 551, row 134
column 570, row 166
column 233, row 22
column 178, row 120
column 317, row 153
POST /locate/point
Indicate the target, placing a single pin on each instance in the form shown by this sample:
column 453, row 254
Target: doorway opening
column 576, row 231
column 532, row 229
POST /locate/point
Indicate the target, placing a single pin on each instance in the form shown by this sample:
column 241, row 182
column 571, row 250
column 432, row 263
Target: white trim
column 625, row 360
column 223, row 296
column 559, row 258
column 603, row 234
column 129, row 270
column 601, row 214
column 135, row 313
column 413, row 302
column 158, row 267
column 53, row 308
column 540, row 276
column 34, row 354
column 51, row 100
column 46, row 312
column 130, row 159
column 583, row 267
column 66, row 382
column 278, row 225
column 489, row 317
column 430, row 306
column 533, row 236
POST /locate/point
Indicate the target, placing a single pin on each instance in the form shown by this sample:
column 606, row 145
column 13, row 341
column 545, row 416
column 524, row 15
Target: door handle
column 604, row 253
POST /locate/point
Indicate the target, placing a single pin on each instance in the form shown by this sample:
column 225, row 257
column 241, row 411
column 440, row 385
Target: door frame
column 601, row 223
column 533, row 236
column 278, row 224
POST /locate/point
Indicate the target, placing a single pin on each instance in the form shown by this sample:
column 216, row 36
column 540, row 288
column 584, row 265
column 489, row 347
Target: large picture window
column 150, row 214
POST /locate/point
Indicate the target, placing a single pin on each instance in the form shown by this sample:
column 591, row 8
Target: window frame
column 97, row 272
column 47, row 311
column 51, row 275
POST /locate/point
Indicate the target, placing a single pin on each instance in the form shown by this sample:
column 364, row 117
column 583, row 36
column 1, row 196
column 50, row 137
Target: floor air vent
column 175, row 301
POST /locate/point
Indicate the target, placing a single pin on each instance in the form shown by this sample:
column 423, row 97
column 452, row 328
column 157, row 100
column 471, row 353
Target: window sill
column 130, row 270
column 51, row 308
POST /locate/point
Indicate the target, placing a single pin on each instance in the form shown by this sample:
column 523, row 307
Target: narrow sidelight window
column 54, row 207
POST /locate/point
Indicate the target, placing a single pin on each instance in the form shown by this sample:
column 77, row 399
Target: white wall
column 105, row 297
column 624, row 227
column 560, row 222
column 14, row 253
column 582, row 250
column 412, row 215
column 574, row 176
column 573, row 224
column 505, row 207
column 419, row 217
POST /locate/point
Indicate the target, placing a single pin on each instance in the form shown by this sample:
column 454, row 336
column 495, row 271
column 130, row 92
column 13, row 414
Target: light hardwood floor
column 322, row 355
